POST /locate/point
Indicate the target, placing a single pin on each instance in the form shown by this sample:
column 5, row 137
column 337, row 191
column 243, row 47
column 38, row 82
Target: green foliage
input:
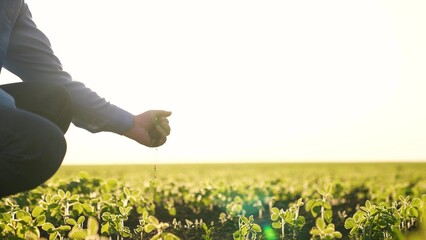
column 291, row 217
column 148, row 224
column 223, row 202
column 383, row 221
column 321, row 206
column 208, row 232
column 235, row 208
column 324, row 231
column 247, row 229
column 19, row 223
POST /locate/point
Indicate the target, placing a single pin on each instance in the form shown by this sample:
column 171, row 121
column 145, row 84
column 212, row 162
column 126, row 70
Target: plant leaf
column 37, row 211
column 77, row 234
column 47, row 227
column 350, row 223
column 276, row 225
column 256, row 228
column 105, row 228
column 275, row 210
column 320, row 224
column 92, row 226
column 149, row 228
column 71, row 222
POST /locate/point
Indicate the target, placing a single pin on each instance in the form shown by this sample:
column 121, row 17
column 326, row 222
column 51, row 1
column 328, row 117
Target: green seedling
column 322, row 206
column 383, row 221
column 223, row 218
column 235, row 208
column 56, row 232
column 91, row 233
column 247, row 229
column 288, row 217
column 324, row 231
column 113, row 224
column 18, row 223
column 150, row 224
column 207, row 232
column 259, row 206
column 85, row 207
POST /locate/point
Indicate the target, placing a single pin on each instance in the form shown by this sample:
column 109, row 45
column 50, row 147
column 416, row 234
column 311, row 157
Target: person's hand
column 150, row 128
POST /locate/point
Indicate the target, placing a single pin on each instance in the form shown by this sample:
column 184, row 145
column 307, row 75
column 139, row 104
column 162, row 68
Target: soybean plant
column 208, row 232
column 321, row 206
column 324, row 231
column 385, row 220
column 149, row 224
column 113, row 224
column 290, row 216
column 247, row 229
column 78, row 233
column 17, row 223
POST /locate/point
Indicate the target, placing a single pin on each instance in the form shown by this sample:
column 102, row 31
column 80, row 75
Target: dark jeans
column 32, row 144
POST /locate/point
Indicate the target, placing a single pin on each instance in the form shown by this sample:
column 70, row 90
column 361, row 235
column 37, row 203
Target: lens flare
column 269, row 233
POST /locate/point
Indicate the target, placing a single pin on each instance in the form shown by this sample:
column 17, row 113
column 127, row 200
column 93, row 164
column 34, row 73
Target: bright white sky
column 249, row 80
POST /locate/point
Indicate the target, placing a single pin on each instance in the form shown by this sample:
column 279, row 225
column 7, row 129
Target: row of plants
column 218, row 207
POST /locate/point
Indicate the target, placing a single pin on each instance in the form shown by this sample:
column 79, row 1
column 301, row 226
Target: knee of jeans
column 53, row 153
column 48, row 157
column 38, row 164
column 31, row 150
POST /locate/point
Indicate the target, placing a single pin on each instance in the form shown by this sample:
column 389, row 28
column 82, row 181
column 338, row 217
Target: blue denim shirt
column 26, row 52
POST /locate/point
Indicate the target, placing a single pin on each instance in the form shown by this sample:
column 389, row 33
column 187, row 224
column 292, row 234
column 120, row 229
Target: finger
column 158, row 118
column 162, row 113
column 155, row 120
column 156, row 134
column 159, row 114
column 155, row 139
column 162, row 141
column 161, row 128
column 158, row 141
column 164, row 124
column 161, row 132
column 164, row 120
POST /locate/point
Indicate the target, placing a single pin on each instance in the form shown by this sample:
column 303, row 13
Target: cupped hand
column 150, row 128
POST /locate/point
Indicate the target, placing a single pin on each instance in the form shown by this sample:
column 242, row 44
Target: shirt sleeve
column 94, row 113
column 90, row 111
column 30, row 57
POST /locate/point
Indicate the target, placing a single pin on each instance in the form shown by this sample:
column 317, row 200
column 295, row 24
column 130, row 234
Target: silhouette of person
column 36, row 113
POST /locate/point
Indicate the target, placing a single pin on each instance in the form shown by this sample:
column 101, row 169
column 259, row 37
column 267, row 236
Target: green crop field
column 224, row 201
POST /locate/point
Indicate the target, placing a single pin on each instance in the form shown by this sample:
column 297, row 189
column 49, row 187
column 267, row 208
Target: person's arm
column 31, row 58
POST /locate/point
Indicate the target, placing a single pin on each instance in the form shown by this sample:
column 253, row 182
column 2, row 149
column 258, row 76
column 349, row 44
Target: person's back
column 36, row 113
